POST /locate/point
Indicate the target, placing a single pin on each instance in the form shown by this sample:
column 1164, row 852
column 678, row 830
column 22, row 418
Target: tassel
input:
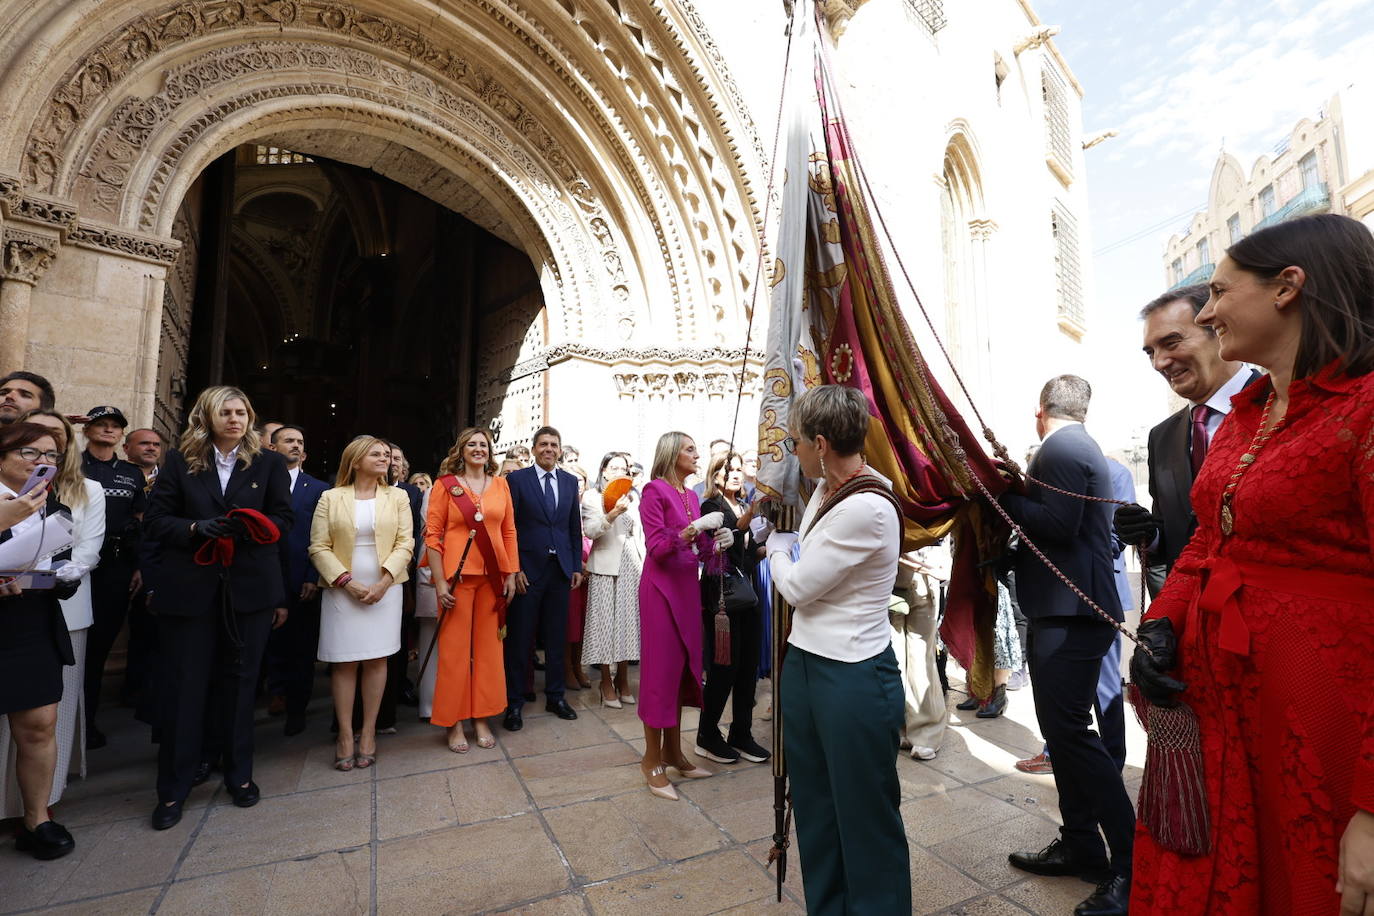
column 722, row 625
column 1173, row 794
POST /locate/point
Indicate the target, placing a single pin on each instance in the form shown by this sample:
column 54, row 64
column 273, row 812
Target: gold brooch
column 455, row 490
column 254, row 485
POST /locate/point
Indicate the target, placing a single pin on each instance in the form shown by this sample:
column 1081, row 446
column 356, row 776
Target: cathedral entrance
column 344, row 302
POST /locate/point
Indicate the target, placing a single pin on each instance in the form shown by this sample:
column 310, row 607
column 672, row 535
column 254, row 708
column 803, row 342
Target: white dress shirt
column 841, row 584
column 1220, row 401
column 224, row 465
column 88, row 533
column 293, row 473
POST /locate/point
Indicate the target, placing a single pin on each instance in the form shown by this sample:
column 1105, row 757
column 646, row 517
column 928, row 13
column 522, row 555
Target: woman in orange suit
column 471, row 682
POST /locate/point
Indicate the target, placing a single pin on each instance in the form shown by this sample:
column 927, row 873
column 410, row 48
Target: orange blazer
column 446, row 530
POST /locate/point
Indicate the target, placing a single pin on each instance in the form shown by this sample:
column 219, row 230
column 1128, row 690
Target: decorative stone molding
column 627, row 384
column 657, row 383
column 143, row 247
column 837, row 14
column 44, row 212
column 980, row 230
column 26, row 255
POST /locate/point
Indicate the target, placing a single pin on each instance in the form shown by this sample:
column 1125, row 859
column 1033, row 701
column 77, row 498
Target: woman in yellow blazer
column 361, row 542
column 471, row 682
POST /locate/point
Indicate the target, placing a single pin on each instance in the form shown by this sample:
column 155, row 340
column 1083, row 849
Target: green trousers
column 841, row 729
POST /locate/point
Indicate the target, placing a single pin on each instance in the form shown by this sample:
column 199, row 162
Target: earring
column 822, row 460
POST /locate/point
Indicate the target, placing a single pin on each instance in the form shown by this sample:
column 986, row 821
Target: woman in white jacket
column 611, row 633
column 86, row 499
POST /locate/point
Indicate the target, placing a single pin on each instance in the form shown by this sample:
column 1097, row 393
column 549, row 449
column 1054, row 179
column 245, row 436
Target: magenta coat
column 669, row 607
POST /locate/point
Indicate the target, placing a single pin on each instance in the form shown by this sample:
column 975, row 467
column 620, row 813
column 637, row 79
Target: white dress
column 351, row 631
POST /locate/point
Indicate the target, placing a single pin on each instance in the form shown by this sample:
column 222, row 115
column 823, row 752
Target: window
column 1233, row 228
column 1058, row 137
column 1308, row 166
column 931, row 13
column 1204, row 252
column 1068, row 277
column 1176, row 269
column 274, row 155
column 1266, row 201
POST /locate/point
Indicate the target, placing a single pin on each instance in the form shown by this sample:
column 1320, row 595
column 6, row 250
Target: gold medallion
column 1247, row 458
column 1227, row 519
column 455, row 490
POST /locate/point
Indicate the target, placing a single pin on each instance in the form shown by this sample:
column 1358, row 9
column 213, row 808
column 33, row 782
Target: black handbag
column 736, row 591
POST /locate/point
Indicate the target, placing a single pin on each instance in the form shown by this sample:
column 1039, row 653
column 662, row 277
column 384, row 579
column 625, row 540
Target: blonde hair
column 421, row 480
column 198, row 440
column 665, row 454
column 354, row 452
column 453, row 462
column 71, row 483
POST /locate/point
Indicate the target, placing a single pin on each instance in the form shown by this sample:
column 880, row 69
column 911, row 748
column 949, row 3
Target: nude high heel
column 667, row 791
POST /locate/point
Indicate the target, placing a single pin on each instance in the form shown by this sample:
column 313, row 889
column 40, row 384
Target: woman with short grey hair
column 842, row 699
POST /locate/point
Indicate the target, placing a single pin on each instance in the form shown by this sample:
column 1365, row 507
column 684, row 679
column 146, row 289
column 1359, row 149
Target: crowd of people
column 237, row 572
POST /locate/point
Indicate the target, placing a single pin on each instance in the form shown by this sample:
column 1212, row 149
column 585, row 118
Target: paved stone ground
column 554, row 820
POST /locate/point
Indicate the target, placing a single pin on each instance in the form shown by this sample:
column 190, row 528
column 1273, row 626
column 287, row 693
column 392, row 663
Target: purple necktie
column 1198, row 446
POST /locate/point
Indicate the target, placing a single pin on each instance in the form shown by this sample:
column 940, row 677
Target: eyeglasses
column 33, row 454
column 789, row 445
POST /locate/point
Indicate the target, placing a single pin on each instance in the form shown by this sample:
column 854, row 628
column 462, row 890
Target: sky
column 1181, row 81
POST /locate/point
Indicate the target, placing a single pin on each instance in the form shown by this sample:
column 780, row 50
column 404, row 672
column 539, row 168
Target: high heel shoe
column 613, row 704
column 667, row 791
column 692, row 772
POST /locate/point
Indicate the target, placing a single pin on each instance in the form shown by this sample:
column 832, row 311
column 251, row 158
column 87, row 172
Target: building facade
column 502, row 213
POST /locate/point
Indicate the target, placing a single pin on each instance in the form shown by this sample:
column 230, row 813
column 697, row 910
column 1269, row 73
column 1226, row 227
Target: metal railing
column 1313, row 199
column 1201, row 275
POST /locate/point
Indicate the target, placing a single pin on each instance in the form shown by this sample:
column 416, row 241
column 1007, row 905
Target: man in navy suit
column 548, row 527
column 292, row 647
column 1067, row 642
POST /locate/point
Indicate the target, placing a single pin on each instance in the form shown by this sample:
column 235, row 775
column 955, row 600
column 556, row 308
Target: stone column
column 24, row 256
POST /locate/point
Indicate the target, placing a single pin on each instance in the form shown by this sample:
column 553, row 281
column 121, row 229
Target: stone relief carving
column 138, row 246
column 27, row 255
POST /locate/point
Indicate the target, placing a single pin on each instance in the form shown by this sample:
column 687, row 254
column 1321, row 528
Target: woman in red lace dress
column 1270, row 609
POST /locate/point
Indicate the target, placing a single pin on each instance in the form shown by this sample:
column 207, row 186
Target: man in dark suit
column 1187, row 356
column 548, row 527
column 292, row 647
column 1068, row 640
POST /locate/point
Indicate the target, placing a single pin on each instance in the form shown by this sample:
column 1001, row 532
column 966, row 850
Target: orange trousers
column 471, row 673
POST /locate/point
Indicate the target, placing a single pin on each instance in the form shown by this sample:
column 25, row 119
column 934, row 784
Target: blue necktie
column 549, row 499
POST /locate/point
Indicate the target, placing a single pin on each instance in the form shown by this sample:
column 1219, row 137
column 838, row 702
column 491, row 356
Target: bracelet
column 344, row 578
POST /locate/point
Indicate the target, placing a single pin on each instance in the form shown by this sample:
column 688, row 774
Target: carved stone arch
column 961, row 168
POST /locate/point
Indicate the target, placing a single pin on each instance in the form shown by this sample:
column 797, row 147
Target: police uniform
column 125, row 501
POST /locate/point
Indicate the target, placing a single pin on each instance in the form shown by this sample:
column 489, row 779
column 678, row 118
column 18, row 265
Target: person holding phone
column 34, row 644
column 215, row 608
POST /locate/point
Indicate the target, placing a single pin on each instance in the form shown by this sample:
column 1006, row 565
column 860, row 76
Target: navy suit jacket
column 295, row 547
column 536, row 531
column 1074, row 534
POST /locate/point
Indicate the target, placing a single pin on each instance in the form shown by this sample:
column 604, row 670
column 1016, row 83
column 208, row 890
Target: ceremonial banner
column 835, row 319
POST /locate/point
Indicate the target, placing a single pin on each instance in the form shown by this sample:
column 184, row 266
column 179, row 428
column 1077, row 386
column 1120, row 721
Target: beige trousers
column 913, row 641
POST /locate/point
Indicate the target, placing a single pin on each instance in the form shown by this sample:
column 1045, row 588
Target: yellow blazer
column 334, row 526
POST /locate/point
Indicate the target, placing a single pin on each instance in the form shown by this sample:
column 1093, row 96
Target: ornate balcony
column 1313, row 199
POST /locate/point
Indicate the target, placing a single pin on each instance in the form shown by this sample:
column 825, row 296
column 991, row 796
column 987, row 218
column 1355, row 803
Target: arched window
column 963, row 236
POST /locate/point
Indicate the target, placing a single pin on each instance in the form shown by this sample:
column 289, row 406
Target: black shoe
column 165, row 816
column 971, row 703
column 749, row 749
column 713, row 747
column 202, row 773
column 512, row 721
column 408, row 696
column 561, row 709
column 527, row 697
column 996, row 706
column 244, row 796
column 295, row 724
column 49, row 840
column 1057, row 859
column 538, row 664
column 1111, row 898
column 95, row 738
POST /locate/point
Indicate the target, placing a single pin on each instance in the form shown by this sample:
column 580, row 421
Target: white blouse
column 841, row 583
column 88, row 534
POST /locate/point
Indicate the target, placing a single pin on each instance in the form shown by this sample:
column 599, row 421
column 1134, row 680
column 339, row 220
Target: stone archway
column 605, row 140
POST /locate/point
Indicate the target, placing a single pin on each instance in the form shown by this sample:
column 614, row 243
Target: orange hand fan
column 614, row 490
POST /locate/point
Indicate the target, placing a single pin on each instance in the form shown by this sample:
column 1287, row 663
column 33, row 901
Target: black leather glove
column 1135, row 525
column 1148, row 669
column 215, row 527
column 64, row 590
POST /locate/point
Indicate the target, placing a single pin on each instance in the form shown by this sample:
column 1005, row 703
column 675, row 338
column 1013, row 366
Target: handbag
column 736, row 594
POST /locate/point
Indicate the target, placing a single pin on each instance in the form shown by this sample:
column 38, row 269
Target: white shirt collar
column 293, row 473
column 1220, row 401
column 227, row 460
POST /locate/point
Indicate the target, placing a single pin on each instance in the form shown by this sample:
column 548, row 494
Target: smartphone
column 42, row 475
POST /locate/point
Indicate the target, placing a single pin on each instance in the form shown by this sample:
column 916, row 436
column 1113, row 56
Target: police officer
column 111, row 580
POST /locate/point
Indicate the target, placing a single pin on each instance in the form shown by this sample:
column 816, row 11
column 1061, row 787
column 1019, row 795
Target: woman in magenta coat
column 676, row 538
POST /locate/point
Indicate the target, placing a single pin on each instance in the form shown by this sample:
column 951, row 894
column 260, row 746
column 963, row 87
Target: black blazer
column 180, row 498
column 295, row 547
column 1170, row 464
column 1076, row 535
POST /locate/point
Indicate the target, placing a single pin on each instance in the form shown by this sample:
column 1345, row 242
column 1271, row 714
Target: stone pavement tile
column 124, row 790
column 469, row 869
column 1034, row 794
column 792, row 883
column 707, row 884
column 626, row 723
column 334, row 882
column 421, row 748
column 28, row 883
column 129, row 854
column 935, row 885
column 688, row 740
column 579, row 775
column 1004, row 731
column 969, row 757
column 277, row 767
column 430, row 801
column 114, row 905
column 991, row 905
column 937, row 818
column 282, row 828
column 552, row 734
column 1049, row 895
column 741, row 802
column 919, row 778
column 983, row 853
column 767, row 904
column 603, row 839
column 562, row 905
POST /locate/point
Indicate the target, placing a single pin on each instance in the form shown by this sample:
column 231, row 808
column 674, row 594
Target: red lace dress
column 1276, row 625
